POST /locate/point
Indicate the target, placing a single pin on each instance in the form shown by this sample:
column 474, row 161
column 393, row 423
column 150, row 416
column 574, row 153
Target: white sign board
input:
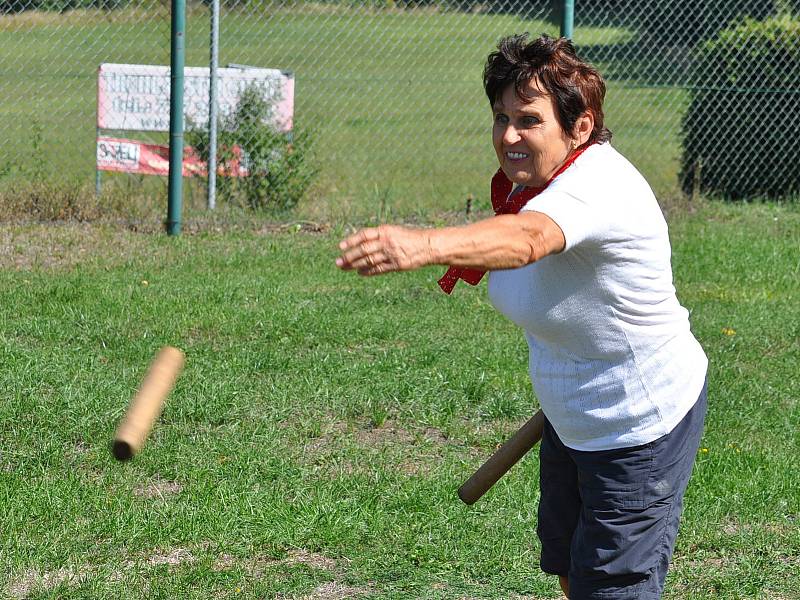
column 136, row 97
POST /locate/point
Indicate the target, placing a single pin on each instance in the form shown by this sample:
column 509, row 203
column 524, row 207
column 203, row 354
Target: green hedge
column 686, row 23
column 740, row 134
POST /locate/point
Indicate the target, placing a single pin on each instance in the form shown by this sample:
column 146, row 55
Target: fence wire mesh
column 701, row 93
column 389, row 92
column 49, row 56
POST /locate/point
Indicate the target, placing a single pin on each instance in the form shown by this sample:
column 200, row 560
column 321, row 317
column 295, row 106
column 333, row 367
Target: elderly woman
column 580, row 259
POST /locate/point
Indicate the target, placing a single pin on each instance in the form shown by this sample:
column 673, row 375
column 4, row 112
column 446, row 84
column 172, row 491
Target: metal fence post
column 567, row 18
column 212, row 107
column 177, row 61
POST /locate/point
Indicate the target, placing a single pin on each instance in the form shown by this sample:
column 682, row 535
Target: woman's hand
column 385, row 249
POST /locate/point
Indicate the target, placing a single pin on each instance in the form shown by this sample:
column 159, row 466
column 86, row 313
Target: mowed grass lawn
column 315, row 441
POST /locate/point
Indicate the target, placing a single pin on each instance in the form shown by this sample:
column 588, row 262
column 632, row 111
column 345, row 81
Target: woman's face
column 529, row 142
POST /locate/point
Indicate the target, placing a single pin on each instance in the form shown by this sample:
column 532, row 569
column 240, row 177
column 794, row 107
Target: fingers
column 360, row 237
column 365, row 255
column 382, row 249
column 375, row 267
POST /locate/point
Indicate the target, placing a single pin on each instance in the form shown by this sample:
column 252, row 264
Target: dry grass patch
column 436, row 436
column 331, row 590
column 56, row 246
column 732, row 526
column 417, row 450
column 173, row 558
column 296, row 227
column 310, row 559
column 385, row 434
column 258, row 565
column 157, row 488
column 34, row 581
column 55, row 202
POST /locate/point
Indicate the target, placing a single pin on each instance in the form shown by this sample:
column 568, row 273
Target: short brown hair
column 574, row 85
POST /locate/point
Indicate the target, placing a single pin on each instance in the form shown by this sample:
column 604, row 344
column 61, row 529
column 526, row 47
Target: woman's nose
column 510, row 135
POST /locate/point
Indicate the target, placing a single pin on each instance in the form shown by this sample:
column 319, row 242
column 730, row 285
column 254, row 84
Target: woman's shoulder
column 601, row 169
column 602, row 153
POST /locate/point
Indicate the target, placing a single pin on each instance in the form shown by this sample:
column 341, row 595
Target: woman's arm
column 501, row 242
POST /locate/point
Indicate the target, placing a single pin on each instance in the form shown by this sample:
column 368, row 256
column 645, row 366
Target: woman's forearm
column 502, row 242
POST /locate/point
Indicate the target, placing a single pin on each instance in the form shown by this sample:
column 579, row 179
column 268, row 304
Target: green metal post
column 177, row 61
column 567, row 18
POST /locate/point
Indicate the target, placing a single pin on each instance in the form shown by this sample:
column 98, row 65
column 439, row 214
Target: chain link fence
column 701, row 94
column 388, row 97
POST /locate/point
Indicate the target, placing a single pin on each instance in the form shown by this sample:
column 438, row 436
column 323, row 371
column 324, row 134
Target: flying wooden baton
column 146, row 405
column 503, row 459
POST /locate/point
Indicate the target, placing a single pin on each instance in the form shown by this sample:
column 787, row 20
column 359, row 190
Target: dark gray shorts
column 608, row 520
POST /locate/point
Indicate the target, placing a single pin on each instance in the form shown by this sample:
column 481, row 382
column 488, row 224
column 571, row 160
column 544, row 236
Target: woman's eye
column 500, row 119
column 529, row 121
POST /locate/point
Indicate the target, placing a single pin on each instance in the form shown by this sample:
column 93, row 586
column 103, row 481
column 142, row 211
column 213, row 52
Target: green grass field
column 313, row 446
column 394, row 98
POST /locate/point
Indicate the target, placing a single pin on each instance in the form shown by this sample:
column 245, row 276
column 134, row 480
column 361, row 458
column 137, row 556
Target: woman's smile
column 527, row 137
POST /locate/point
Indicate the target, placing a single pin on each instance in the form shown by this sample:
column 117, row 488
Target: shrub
column 279, row 167
column 686, row 23
column 739, row 133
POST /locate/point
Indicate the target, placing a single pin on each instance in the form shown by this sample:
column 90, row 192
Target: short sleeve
column 578, row 219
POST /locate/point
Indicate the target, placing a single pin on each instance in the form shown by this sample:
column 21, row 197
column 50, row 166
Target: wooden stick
column 503, row 459
column 146, row 405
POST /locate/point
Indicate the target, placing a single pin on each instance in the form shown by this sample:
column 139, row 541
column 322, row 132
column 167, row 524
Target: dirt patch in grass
column 293, row 227
column 81, row 448
column 158, row 488
column 335, row 434
column 386, row 433
column 732, row 526
column 331, row 590
column 311, row 559
column 436, row 436
column 418, row 450
column 258, row 565
column 174, row 557
column 33, row 581
column 5, row 466
column 413, row 468
column 329, row 432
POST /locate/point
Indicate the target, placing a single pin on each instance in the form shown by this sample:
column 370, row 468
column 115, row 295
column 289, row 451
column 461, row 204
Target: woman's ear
column 583, row 128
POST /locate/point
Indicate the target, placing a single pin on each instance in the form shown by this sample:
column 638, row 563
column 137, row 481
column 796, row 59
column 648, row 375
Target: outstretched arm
column 501, row 242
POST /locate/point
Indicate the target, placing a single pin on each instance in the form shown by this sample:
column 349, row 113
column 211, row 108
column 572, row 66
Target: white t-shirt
column 612, row 360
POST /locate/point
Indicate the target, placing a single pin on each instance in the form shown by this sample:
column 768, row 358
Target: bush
column 279, row 167
column 686, row 23
column 739, row 133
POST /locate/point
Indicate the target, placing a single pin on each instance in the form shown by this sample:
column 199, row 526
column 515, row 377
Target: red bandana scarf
column 502, row 205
